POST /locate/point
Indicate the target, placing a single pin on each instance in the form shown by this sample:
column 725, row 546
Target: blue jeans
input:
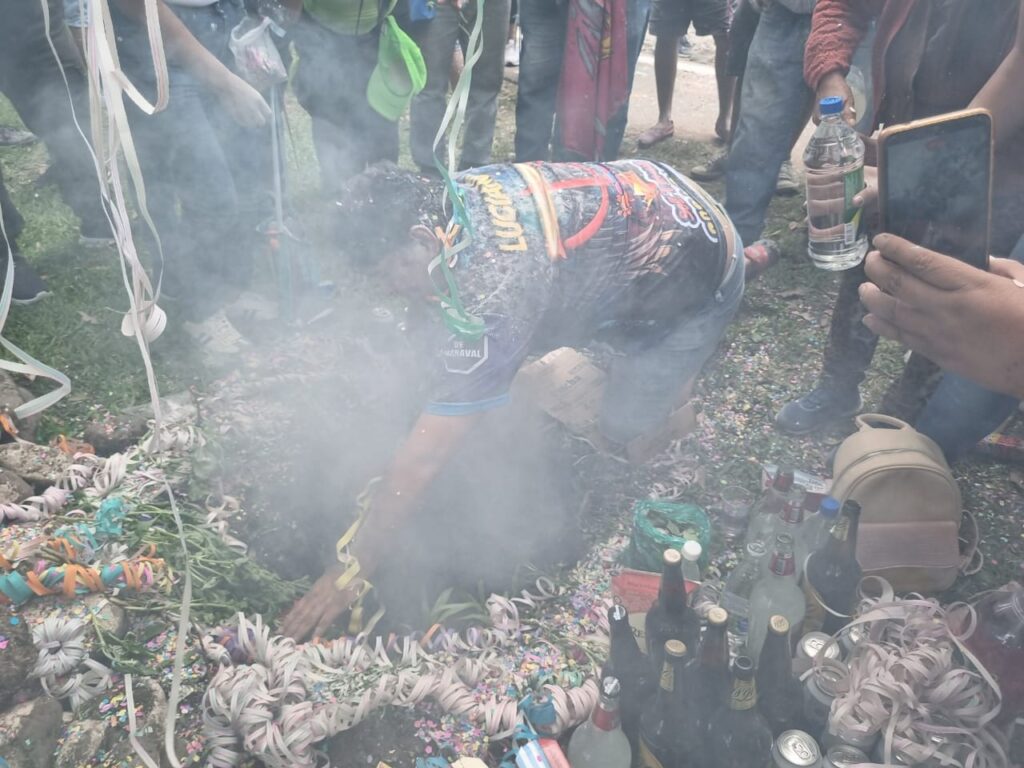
column 960, row 412
column 540, row 68
column 772, row 109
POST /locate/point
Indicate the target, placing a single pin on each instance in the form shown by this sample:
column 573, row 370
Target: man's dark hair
column 378, row 208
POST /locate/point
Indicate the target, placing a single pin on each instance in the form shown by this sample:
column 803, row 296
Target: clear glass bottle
column 762, row 521
column 600, row 742
column 818, row 527
column 692, row 552
column 790, row 520
column 777, row 593
column 834, row 157
column 736, row 596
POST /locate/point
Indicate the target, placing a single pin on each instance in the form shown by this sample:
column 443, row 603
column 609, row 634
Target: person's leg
column 960, row 412
column 31, row 78
column 711, row 18
column 436, row 38
column 543, row 23
column 13, row 223
column 726, row 84
column 644, row 387
column 669, row 21
column 773, row 104
column 637, row 13
column 488, row 75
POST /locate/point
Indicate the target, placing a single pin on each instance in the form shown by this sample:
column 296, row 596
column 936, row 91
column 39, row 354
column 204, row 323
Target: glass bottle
column 833, row 573
column 739, row 737
column 777, row 593
column 780, row 695
column 762, row 521
column 711, row 691
column 670, row 618
column 659, row 725
column 600, row 742
column 818, row 527
column 790, row 520
column 998, row 642
column 692, row 552
column 736, row 596
column 626, row 662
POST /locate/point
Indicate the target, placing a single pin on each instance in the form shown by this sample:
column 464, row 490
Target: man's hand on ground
column 834, row 84
column 320, row 607
column 966, row 320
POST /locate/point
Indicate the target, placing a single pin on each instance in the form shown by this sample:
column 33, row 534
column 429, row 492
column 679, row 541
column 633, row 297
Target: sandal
column 656, row 134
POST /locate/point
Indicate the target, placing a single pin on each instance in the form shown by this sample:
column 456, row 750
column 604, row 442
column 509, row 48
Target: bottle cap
column 618, row 613
column 676, row 648
column 756, row 550
column 692, row 550
column 829, row 508
column 611, row 687
column 831, row 105
column 672, row 557
column 717, row 616
column 778, row 624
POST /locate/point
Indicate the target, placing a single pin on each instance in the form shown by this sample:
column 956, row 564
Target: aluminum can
column 796, row 749
column 812, row 643
column 819, row 691
column 843, row 756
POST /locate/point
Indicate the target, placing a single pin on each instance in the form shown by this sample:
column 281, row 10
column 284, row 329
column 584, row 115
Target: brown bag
column 911, row 510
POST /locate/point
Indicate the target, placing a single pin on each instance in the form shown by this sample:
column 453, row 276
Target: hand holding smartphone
column 935, row 183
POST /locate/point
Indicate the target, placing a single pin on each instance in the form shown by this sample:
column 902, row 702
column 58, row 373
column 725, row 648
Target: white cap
column 692, row 550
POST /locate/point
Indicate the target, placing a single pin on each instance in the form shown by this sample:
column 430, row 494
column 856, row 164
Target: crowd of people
column 568, row 243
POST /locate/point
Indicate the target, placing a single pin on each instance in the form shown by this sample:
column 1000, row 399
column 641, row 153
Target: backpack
column 909, row 530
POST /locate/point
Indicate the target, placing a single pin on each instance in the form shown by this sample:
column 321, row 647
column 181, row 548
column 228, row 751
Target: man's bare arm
column 1001, row 94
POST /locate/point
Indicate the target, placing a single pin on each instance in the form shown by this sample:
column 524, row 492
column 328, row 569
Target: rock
column 111, row 618
column 17, row 657
column 29, row 733
column 12, row 488
column 82, row 741
column 117, row 432
column 11, row 396
column 40, row 465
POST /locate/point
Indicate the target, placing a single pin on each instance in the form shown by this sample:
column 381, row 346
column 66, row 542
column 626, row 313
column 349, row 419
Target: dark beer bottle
column 670, row 618
column 739, row 737
column 627, row 663
column 711, row 692
column 779, row 693
column 833, row 573
column 659, row 725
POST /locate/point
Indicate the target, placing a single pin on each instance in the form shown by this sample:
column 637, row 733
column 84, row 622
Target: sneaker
column 685, row 47
column 788, row 183
column 819, row 408
column 15, row 137
column 28, row 287
column 511, row 54
column 712, row 169
column 217, row 337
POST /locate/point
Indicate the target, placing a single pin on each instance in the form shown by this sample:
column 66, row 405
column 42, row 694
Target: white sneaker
column 511, row 54
column 217, row 337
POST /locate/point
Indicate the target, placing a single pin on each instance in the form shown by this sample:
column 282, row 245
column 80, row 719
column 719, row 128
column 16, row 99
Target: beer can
column 812, row 643
column 796, row 749
column 844, row 755
column 851, row 637
column 820, row 690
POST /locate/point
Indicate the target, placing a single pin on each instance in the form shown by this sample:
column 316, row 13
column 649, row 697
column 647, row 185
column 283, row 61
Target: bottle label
column 744, row 695
column 841, row 530
column 647, row 758
column 605, row 720
column 783, row 565
column 853, row 183
column 667, row 677
column 792, row 512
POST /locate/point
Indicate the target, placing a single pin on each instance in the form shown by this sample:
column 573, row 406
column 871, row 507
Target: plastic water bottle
column 834, row 160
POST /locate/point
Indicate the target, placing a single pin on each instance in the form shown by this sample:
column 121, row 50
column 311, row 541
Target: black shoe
column 822, row 406
column 29, row 287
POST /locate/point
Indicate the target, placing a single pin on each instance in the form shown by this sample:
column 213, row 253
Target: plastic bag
column 660, row 525
column 256, row 57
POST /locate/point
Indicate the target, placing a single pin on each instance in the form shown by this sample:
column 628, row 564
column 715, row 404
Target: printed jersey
column 565, row 253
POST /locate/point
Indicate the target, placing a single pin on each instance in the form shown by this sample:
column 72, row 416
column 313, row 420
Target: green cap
column 400, row 72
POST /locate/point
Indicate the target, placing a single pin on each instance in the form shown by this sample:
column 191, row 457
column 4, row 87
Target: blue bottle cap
column 832, row 105
column 829, row 507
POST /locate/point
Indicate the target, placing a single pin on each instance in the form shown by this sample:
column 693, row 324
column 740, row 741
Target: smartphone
column 935, row 183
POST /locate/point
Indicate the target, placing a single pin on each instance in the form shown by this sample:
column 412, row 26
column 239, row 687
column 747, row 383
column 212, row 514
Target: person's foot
column 28, row 287
column 511, row 54
column 759, row 257
column 822, row 406
column 788, row 182
column 15, row 137
column 656, row 134
column 216, row 337
column 712, row 169
column 685, row 47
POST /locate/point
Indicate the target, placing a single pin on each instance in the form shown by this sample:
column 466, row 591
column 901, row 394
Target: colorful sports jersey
column 565, row 253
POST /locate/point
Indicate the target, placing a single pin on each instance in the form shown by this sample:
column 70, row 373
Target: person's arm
column 421, row 458
column 1001, row 94
column 966, row 320
column 837, row 28
column 241, row 100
